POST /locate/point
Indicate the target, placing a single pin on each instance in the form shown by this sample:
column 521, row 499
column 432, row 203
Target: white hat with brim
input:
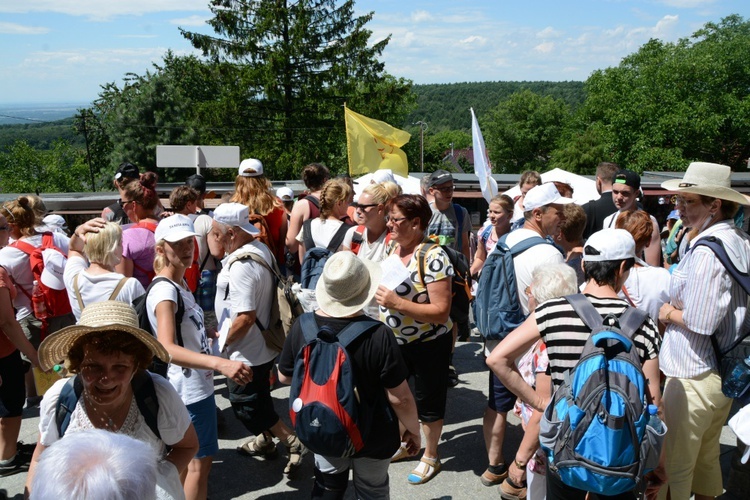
column 250, row 168
column 54, row 267
column 109, row 315
column 347, row 284
column 235, row 215
column 609, row 244
column 174, row 228
column 707, row 179
column 543, row 195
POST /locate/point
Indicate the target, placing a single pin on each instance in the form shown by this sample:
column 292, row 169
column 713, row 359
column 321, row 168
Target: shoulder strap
column 421, row 258
column 524, row 245
column 115, row 292
column 78, row 292
column 338, row 237
column 486, row 233
column 205, row 259
column 274, row 270
column 145, row 397
column 458, row 210
column 180, row 308
column 66, row 403
column 585, row 310
column 146, row 225
column 309, row 327
column 716, row 245
column 307, row 237
column 631, row 320
column 353, row 330
column 23, row 246
column 312, row 199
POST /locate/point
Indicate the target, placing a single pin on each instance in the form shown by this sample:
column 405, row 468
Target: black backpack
column 316, row 257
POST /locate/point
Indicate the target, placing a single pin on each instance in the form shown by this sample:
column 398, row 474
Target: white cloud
column 474, row 40
column 545, row 48
column 102, row 10
column 688, row 4
column 19, row 29
column 549, row 32
column 419, row 16
column 137, row 36
column 190, row 21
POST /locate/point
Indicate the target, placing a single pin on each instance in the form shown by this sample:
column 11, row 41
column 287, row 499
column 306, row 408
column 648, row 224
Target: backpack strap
column 338, row 237
column 180, row 308
column 146, row 225
column 66, row 403
column 117, row 289
column 353, row 330
column 77, row 292
column 307, row 237
column 458, row 210
column 486, row 234
column 309, row 327
column 716, row 245
column 273, row 269
column 421, row 258
column 629, row 321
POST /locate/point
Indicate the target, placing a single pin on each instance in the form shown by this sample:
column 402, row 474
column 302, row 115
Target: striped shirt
column 565, row 333
column 710, row 300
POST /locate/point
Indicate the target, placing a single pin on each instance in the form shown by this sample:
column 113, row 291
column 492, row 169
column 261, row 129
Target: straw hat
column 347, row 284
column 708, row 179
column 98, row 317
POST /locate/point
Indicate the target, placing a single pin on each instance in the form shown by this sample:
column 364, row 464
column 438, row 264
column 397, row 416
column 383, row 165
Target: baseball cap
column 629, row 178
column 127, row 170
column 198, row 182
column 251, row 167
column 54, row 267
column 674, row 215
column 174, row 228
column 609, row 244
column 439, row 177
column 235, row 214
column 285, row 194
column 384, row 175
column 546, row 194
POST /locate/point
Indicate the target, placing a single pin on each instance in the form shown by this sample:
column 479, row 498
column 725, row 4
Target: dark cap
column 197, row 182
column 629, row 178
column 439, row 177
column 127, row 170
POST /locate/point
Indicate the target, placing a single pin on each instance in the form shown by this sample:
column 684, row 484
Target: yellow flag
column 374, row 145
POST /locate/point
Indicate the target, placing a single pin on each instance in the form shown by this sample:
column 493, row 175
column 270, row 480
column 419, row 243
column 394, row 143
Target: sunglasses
column 122, row 203
column 359, row 206
column 3, row 228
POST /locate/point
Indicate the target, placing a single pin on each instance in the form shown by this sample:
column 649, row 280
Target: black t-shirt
column 377, row 364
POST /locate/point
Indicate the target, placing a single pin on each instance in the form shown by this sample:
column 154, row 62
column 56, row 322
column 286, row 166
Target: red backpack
column 358, row 239
column 54, row 302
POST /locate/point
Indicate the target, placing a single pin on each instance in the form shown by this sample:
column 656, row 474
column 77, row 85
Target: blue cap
column 674, row 215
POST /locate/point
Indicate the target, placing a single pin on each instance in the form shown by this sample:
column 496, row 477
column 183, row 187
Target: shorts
column 32, row 329
column 428, row 362
column 12, row 389
column 499, row 399
column 252, row 403
column 203, row 415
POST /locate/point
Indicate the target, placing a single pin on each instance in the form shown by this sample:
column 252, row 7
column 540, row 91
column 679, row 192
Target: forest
column 278, row 94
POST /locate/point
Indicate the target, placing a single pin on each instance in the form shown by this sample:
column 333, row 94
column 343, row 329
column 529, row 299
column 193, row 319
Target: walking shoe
column 510, row 491
column 452, row 376
column 489, row 478
column 25, row 450
column 401, row 454
column 260, row 445
column 17, row 464
column 296, row 451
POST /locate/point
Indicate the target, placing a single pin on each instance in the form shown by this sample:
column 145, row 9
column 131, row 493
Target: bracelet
column 519, row 464
column 669, row 314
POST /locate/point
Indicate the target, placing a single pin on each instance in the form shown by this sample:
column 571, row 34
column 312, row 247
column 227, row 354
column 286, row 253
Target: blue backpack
column 594, row 429
column 324, row 405
column 497, row 310
column 316, row 257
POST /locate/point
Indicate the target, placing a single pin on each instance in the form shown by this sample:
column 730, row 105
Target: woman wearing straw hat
column 705, row 302
column 107, row 358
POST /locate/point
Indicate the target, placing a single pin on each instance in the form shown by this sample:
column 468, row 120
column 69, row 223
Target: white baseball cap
column 174, row 228
column 609, row 244
column 54, row 267
column 251, row 168
column 543, row 195
column 285, row 194
column 235, row 214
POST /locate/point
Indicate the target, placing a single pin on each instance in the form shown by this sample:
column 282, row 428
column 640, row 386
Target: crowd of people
column 139, row 309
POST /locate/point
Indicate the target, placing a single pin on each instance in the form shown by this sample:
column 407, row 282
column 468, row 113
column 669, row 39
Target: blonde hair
column 100, row 247
column 382, row 192
column 255, row 192
column 334, row 191
column 160, row 258
column 21, row 213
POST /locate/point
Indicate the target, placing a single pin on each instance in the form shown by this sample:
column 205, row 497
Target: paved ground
column 461, row 449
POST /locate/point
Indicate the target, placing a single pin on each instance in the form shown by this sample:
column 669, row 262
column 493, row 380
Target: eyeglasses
column 122, row 203
column 395, row 220
column 3, row 228
column 358, row 206
column 445, row 189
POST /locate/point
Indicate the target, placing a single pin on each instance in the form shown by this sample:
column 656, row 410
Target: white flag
column 481, row 162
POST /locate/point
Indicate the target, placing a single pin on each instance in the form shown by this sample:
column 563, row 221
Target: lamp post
column 422, row 128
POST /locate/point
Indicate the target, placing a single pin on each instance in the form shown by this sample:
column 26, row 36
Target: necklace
column 107, row 420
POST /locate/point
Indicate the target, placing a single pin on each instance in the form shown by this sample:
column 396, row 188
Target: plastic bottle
column 206, row 290
column 60, row 370
column 37, row 302
column 738, row 380
column 654, row 421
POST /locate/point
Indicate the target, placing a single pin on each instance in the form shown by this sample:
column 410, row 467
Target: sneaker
column 510, row 491
column 489, row 478
column 259, row 446
column 25, row 450
column 33, row 402
column 18, row 464
column 452, row 376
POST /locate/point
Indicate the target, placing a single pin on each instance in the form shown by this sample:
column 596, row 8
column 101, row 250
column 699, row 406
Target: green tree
column 24, row 169
column 297, row 64
column 522, row 131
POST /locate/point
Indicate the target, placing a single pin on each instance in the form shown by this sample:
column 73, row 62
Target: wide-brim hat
column 707, row 179
column 109, row 315
column 347, row 284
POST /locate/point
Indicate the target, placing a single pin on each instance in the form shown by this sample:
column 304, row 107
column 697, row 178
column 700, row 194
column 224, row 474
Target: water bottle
column 653, row 420
column 60, row 370
column 206, row 290
column 37, row 302
column 738, row 380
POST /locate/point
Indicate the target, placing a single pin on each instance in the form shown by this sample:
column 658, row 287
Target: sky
column 62, row 51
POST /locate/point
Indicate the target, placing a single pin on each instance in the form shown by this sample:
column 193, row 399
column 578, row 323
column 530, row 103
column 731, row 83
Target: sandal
column 258, row 446
column 401, row 454
column 296, row 451
column 426, row 469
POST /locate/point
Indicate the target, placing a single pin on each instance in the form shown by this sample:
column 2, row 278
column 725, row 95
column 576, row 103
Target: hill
column 446, row 106
column 41, row 135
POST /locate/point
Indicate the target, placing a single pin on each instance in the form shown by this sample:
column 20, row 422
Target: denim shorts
column 203, row 415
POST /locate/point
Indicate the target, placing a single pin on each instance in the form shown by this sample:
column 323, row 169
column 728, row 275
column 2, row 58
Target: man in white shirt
column 243, row 305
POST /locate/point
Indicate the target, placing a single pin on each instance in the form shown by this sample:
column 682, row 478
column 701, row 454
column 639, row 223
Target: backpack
column 733, row 356
column 461, row 283
column 55, row 302
column 316, row 257
column 148, row 272
column 143, row 390
column 261, row 225
column 285, row 308
column 497, row 309
column 358, row 239
column 112, row 296
column 324, row 406
column 139, row 304
column 594, row 429
column 314, row 206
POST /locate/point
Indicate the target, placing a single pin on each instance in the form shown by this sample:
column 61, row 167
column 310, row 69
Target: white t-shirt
column 251, row 288
column 202, row 225
column 376, row 251
column 323, row 231
column 172, row 420
column 96, row 287
column 16, row 262
column 192, row 384
column 611, row 220
column 648, row 288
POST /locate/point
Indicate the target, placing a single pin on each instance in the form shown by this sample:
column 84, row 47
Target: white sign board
column 197, row 157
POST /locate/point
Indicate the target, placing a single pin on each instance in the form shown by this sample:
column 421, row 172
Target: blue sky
column 57, row 51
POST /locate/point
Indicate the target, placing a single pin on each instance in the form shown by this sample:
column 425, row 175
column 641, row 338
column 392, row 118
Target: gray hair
column 552, row 281
column 96, row 464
